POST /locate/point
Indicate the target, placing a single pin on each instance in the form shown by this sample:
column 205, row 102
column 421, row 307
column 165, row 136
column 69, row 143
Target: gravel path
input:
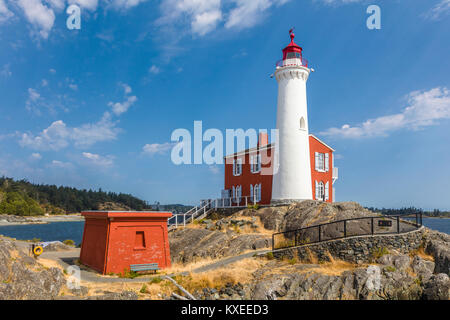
column 67, row 258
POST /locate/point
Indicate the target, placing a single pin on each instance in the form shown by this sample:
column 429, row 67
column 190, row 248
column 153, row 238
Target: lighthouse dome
column 292, row 55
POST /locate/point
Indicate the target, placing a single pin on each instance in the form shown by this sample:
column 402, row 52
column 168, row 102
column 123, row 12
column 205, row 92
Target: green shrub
column 379, row 252
column 128, row 274
column 143, row 289
column 391, row 268
column 69, row 242
column 156, row 280
column 292, row 261
column 269, row 255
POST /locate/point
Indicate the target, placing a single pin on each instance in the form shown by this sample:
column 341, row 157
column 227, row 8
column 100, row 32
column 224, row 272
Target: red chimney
column 263, row 139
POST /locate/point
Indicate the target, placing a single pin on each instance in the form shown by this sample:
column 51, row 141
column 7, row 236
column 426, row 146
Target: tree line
column 411, row 210
column 24, row 198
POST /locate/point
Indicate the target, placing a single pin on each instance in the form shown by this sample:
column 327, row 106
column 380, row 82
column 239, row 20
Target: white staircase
column 196, row 213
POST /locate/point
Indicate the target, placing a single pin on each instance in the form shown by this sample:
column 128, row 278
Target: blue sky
column 96, row 107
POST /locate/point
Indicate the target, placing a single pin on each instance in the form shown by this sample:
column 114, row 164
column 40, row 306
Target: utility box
column 114, row 240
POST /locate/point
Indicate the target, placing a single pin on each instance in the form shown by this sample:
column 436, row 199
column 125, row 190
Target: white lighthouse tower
column 292, row 172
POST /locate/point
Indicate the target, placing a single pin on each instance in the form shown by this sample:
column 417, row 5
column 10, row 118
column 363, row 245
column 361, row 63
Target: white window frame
column 322, row 162
column 257, row 193
column 320, row 190
column 255, row 166
column 237, row 167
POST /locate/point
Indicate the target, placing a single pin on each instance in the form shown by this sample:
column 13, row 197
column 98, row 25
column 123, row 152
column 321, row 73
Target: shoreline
column 11, row 220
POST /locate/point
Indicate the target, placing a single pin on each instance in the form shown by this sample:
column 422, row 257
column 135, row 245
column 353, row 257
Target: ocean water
column 55, row 231
column 60, row 231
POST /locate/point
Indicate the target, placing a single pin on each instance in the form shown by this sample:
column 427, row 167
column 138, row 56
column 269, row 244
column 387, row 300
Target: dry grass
column 421, row 253
column 247, row 229
column 240, row 271
column 334, row 268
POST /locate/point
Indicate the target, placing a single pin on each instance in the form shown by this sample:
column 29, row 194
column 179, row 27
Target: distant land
column 22, row 198
column 436, row 213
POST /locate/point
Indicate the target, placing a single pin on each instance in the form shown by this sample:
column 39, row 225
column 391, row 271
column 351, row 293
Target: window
column 293, row 55
column 322, row 191
column 322, row 161
column 302, row 123
column 256, row 196
column 255, row 163
column 237, row 167
column 139, row 240
column 237, row 194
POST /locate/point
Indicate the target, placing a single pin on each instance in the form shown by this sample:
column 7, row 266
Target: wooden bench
column 144, row 267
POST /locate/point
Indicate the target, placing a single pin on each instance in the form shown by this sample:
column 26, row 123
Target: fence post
column 320, row 232
column 398, row 224
column 273, row 241
column 345, row 228
column 295, row 238
column 371, row 219
column 246, row 202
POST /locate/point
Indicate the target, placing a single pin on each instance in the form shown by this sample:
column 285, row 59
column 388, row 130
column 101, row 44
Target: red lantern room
column 292, row 54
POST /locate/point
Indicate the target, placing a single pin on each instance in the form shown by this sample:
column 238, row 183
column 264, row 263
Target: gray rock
column 437, row 288
column 423, row 268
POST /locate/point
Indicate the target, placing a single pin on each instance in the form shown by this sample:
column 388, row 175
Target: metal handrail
column 418, row 224
column 196, row 211
column 281, row 64
column 231, row 202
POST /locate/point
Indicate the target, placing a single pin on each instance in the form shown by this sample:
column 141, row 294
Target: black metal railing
column 364, row 226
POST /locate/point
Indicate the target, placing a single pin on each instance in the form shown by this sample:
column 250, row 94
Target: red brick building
column 249, row 173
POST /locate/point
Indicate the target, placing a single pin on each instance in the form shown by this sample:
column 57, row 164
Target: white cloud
column 157, row 148
column 39, row 15
column 99, row 160
column 154, row 69
column 424, row 109
column 5, row 13
column 126, row 88
column 439, row 10
column 6, row 72
column 34, row 101
column 202, row 15
column 52, row 71
column 57, row 4
column 58, row 136
column 61, row 164
column 73, row 86
column 120, row 107
column 44, row 83
column 86, row 4
column 126, row 4
column 36, row 156
column 248, row 13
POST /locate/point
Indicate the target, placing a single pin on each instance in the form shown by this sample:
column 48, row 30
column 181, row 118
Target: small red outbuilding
column 113, row 240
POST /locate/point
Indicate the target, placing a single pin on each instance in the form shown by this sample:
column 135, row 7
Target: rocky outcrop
column 355, row 250
column 394, row 277
column 57, row 246
column 307, row 213
column 189, row 244
column 21, row 277
column 437, row 244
